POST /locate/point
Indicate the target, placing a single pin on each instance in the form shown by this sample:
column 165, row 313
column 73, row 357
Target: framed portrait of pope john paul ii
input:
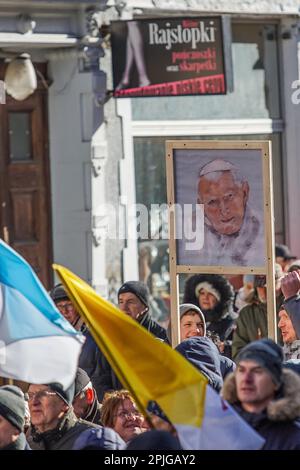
column 220, row 202
column 220, row 196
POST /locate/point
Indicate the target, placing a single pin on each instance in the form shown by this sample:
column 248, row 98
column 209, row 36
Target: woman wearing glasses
column 120, row 413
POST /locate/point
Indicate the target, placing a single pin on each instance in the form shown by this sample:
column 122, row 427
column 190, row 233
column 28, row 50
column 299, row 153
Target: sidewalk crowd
column 223, row 334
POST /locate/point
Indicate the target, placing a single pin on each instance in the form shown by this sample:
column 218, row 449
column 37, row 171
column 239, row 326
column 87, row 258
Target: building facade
column 261, row 104
column 53, row 144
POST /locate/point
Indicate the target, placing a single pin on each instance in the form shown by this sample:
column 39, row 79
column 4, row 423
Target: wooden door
column 25, row 214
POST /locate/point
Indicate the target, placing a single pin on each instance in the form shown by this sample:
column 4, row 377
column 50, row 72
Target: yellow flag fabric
column 148, row 368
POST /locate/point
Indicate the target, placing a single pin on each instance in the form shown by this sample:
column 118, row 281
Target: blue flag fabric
column 37, row 344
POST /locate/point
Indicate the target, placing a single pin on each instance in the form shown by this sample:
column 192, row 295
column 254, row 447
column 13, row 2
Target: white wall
column 291, row 144
column 69, row 94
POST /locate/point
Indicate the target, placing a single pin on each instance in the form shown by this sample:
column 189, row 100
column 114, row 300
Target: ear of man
column 89, row 394
column 245, row 188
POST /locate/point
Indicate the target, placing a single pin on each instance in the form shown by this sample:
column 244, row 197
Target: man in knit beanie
column 134, row 300
column 265, row 395
column 267, row 354
column 12, row 418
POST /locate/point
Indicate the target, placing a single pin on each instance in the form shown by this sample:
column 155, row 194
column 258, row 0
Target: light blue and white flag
column 222, row 428
column 37, row 344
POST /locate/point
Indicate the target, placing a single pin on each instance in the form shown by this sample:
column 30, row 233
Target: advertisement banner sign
column 168, row 57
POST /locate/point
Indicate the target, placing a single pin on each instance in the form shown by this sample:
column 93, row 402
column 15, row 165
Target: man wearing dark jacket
column 54, row 425
column 90, row 356
column 133, row 300
column 265, row 395
column 12, row 419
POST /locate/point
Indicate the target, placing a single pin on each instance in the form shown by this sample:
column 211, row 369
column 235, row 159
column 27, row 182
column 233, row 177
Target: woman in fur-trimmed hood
column 270, row 403
column 214, row 295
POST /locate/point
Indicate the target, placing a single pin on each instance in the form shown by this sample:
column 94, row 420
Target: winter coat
column 204, row 355
column 219, row 320
column 99, row 438
column 62, row 437
column 90, row 360
column 107, row 379
column 293, row 365
column 252, row 324
column 153, row 327
column 227, row 366
column 278, row 424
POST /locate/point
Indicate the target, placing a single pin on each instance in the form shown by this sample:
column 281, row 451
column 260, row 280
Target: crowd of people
column 222, row 333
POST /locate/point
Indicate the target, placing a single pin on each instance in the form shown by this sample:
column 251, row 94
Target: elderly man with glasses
column 54, row 425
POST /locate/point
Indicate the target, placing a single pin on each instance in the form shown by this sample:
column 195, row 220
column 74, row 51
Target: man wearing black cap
column 12, row 419
column 65, row 306
column 133, row 299
column 85, row 402
column 266, row 395
column 54, row 425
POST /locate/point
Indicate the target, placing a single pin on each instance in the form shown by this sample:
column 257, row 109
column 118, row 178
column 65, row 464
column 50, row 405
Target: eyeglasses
column 128, row 414
column 38, row 395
